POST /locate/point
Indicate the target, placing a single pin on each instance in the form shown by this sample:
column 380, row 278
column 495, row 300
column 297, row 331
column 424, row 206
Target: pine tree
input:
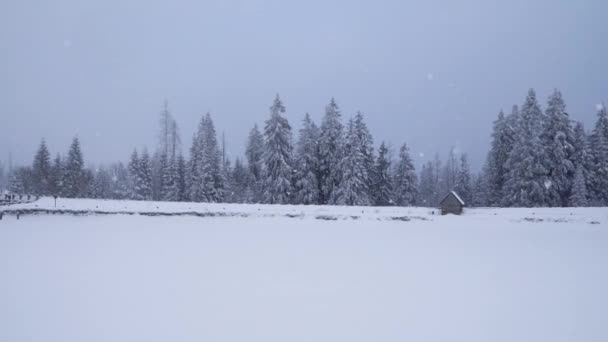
column 450, row 173
column 527, row 182
column 307, row 164
column 578, row 195
column 74, row 184
column 102, row 185
column 463, row 186
column 241, row 183
column 210, row 167
column 41, row 169
column 135, row 177
column 382, row 184
column 56, row 176
column 580, row 144
column 503, row 140
column 558, row 140
column 583, row 156
column 255, row 161
column 598, row 142
column 20, row 181
column 119, row 186
column 145, row 177
column 480, row 191
column 428, row 185
column 354, row 187
column 181, row 178
column 164, row 167
column 406, row 181
column 230, row 192
column 169, row 181
column 277, row 156
column 330, row 152
column 194, row 178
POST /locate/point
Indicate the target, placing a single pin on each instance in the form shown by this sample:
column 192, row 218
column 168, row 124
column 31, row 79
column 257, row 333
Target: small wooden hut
column 452, row 204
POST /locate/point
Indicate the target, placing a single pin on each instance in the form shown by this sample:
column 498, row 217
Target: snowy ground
column 267, row 275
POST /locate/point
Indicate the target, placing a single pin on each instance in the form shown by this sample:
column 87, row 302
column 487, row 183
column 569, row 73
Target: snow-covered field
column 293, row 273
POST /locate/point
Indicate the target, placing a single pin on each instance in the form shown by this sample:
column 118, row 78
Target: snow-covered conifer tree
column 382, row 182
column 354, row 187
column 193, row 177
column 134, row 177
column 496, row 163
column 277, row 156
column 102, row 184
column 56, row 176
column 73, row 180
column 307, row 163
column 463, row 185
column 527, row 182
column 211, row 163
column 330, row 152
column 41, row 169
column 598, row 143
column 479, row 197
column 120, row 185
column 558, row 140
column 406, row 181
column 450, row 173
column 145, row 176
column 255, row 161
column 578, row 195
column 181, row 178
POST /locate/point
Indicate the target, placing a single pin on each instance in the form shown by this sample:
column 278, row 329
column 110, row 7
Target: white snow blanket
column 489, row 275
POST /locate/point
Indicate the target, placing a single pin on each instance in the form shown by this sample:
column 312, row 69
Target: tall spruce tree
column 526, row 183
column 181, row 178
column 193, row 176
column 406, row 181
column 255, row 161
column 145, row 176
column 450, row 173
column 211, row 164
column 307, row 163
column 463, row 185
column 120, row 186
column 102, row 184
column 479, row 197
column 56, row 176
column 578, row 195
column 354, row 187
column 41, row 169
column 277, row 156
column 330, row 152
column 558, row 139
column 74, row 178
column 496, row 164
column 598, row 168
column 382, row 182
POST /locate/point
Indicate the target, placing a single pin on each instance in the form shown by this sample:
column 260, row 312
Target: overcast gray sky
column 430, row 73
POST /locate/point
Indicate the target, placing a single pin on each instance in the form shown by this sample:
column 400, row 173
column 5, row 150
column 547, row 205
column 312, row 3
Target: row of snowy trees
column 536, row 159
column 545, row 158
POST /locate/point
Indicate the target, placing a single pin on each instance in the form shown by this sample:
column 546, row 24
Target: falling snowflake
column 421, row 155
column 429, row 76
column 548, row 184
column 599, row 107
column 67, row 43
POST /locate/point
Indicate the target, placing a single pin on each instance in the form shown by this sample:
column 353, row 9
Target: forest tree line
column 536, row 158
